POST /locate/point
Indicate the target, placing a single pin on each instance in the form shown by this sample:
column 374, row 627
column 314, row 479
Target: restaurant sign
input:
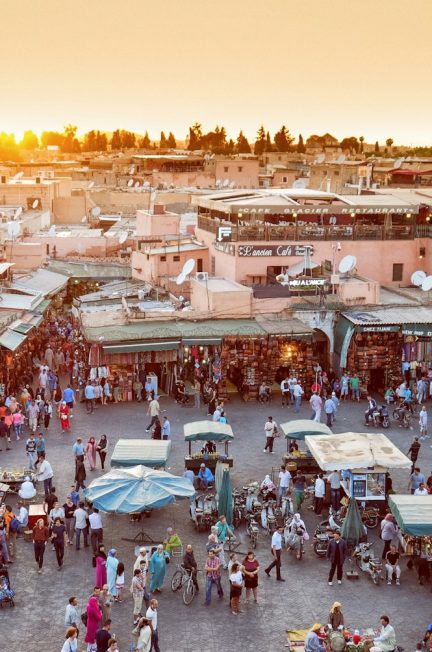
column 418, row 330
column 334, row 209
column 266, row 251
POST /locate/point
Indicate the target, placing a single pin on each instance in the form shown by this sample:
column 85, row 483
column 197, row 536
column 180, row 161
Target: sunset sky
column 344, row 66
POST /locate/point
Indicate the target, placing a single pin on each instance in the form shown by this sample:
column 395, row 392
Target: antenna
column 299, row 183
column 18, row 212
column 132, row 169
column 18, row 175
column 218, row 182
column 226, row 183
column 397, row 164
column 96, row 211
column 187, row 268
column 418, row 277
column 13, row 229
column 52, row 230
column 347, row 264
column 84, row 219
column 153, row 195
column 137, row 184
column 146, row 185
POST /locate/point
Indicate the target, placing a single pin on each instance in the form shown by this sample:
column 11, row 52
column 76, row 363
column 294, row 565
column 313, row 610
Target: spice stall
column 413, row 515
column 302, row 460
column 207, row 431
column 367, row 458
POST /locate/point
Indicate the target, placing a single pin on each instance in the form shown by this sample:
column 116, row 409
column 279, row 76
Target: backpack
column 14, row 525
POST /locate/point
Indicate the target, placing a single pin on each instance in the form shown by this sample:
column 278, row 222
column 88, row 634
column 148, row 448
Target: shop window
column 163, row 259
column 176, row 259
column 397, row 271
column 199, row 265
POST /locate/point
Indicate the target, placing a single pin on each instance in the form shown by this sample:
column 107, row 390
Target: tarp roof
column 413, row 513
column 11, row 339
column 283, row 326
column 207, row 431
column 150, row 452
column 90, row 270
column 41, row 281
column 355, row 450
column 299, row 428
column 408, row 315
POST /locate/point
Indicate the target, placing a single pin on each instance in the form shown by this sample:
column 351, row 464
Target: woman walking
column 119, row 582
column 69, row 511
column 236, row 582
column 158, row 569
column 47, row 410
column 144, row 631
column 64, row 416
column 90, row 451
column 58, row 535
column 101, row 573
column 251, row 570
column 111, row 566
column 94, row 618
column 102, row 448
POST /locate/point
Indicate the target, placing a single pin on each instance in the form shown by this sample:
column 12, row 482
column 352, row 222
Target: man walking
column 416, row 479
column 31, row 451
column 329, row 408
column 4, row 434
column 153, row 411
column 213, row 576
column 284, row 482
column 270, row 430
column 80, row 517
column 40, row 538
column 45, row 473
column 96, row 529
column 316, row 405
column 297, row 393
column 336, row 553
column 152, row 615
column 276, row 547
column 423, row 422
column 413, row 452
column 89, row 393
column 285, row 391
column 319, row 493
column 334, row 480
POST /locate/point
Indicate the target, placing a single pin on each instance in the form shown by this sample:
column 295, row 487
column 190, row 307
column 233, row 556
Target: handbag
column 84, row 618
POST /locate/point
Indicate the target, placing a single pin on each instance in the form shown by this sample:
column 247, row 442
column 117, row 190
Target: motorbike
column 268, row 518
column 366, row 562
column 205, row 512
column 252, row 530
column 403, row 416
column 370, row 516
column 239, row 507
column 294, row 538
column 381, row 417
column 320, row 543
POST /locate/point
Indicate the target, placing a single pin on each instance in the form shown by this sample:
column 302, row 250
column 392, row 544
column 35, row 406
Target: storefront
column 376, row 344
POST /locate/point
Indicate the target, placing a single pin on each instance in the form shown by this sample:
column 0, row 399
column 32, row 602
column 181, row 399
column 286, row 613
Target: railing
column 294, row 233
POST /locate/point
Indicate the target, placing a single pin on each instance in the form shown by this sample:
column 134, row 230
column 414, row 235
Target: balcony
column 297, row 233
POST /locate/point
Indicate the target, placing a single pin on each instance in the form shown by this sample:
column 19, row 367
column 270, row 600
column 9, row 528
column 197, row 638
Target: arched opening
column 321, row 348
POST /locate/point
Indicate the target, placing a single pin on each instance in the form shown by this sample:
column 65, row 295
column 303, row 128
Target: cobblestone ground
column 303, row 599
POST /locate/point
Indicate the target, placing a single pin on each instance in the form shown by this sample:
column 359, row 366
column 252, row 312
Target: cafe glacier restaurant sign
column 245, row 251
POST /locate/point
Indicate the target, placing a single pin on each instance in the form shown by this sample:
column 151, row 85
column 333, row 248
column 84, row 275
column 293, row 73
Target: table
column 194, row 463
column 35, row 513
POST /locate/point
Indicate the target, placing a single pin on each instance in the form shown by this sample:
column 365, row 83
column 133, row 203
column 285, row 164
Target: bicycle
column 182, row 578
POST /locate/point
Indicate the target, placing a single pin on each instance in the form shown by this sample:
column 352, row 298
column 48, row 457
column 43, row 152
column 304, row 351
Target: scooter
column 366, row 562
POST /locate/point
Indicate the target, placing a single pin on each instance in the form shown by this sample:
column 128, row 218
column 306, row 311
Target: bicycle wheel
column 177, row 580
column 188, row 592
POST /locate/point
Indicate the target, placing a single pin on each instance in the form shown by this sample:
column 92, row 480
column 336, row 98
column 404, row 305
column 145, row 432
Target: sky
column 347, row 67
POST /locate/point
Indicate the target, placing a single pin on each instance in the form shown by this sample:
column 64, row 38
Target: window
column 176, row 259
column 226, row 169
column 163, row 259
column 240, row 168
column 397, row 271
column 284, row 179
column 199, row 265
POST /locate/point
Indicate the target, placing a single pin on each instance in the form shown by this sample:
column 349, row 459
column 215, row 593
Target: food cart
column 413, row 515
column 153, row 453
column 365, row 458
column 14, row 478
column 207, row 431
column 298, row 430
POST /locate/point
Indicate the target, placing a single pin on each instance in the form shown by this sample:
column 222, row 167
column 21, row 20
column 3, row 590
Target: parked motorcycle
column 381, row 417
column 366, row 562
column 268, row 518
column 403, row 416
column 320, row 543
column 294, row 535
column 370, row 516
column 252, row 530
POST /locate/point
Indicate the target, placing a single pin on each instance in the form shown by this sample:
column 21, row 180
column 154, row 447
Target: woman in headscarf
column 102, row 448
column 94, row 619
column 141, row 557
column 295, row 532
column 111, row 566
column 64, row 416
column 90, row 451
column 158, row 569
column 268, row 488
column 336, row 618
column 101, row 574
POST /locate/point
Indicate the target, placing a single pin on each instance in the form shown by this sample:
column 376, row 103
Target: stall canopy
column 207, row 431
column 355, row 450
column 126, row 491
column 412, row 513
column 150, row 452
column 301, row 427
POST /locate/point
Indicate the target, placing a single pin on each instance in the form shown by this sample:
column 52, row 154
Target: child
column 120, row 580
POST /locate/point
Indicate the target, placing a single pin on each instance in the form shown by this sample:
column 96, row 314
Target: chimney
column 158, row 209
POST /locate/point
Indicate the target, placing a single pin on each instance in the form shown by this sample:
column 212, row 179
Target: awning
column 42, row 307
column 26, row 326
column 4, row 267
column 204, row 341
column 207, row 431
column 413, row 514
column 150, row 452
column 140, row 346
column 407, row 172
column 299, row 428
column 11, row 339
column 293, row 327
column 352, row 450
column 389, row 319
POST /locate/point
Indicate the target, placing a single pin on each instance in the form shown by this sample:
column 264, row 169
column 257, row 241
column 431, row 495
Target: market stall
column 297, row 430
column 364, row 457
column 207, row 431
column 153, row 453
column 413, row 515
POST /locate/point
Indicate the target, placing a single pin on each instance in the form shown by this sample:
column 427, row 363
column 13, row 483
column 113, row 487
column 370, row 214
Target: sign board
column 266, row 251
column 385, row 328
column 419, row 330
column 224, row 233
column 303, row 283
column 331, row 210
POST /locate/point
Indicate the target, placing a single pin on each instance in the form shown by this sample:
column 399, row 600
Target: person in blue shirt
column 89, row 393
column 74, row 495
column 78, row 449
column 205, row 477
column 166, row 429
column 69, row 398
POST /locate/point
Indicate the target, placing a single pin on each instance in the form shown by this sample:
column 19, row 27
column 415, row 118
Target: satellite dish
column 226, row 183
column 299, row 183
column 427, row 284
column 218, row 182
column 137, row 184
column 332, row 219
column 96, row 211
column 84, row 219
column 18, row 212
column 153, row 195
column 188, row 267
column 130, row 183
column 91, row 184
column 52, row 230
column 18, row 175
column 35, row 203
column 123, row 237
column 13, row 229
column 341, row 158
column 397, row 164
column 180, row 279
column 347, row 264
column 418, row 277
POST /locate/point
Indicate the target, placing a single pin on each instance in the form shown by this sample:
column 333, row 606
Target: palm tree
column 361, row 139
column 389, row 142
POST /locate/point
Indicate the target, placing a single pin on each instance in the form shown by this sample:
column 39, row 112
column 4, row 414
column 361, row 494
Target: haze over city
column 344, row 68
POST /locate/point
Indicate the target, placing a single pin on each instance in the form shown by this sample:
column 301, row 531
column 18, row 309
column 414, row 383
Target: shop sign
column 264, row 251
column 305, row 283
column 419, row 330
column 386, row 328
column 332, row 210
